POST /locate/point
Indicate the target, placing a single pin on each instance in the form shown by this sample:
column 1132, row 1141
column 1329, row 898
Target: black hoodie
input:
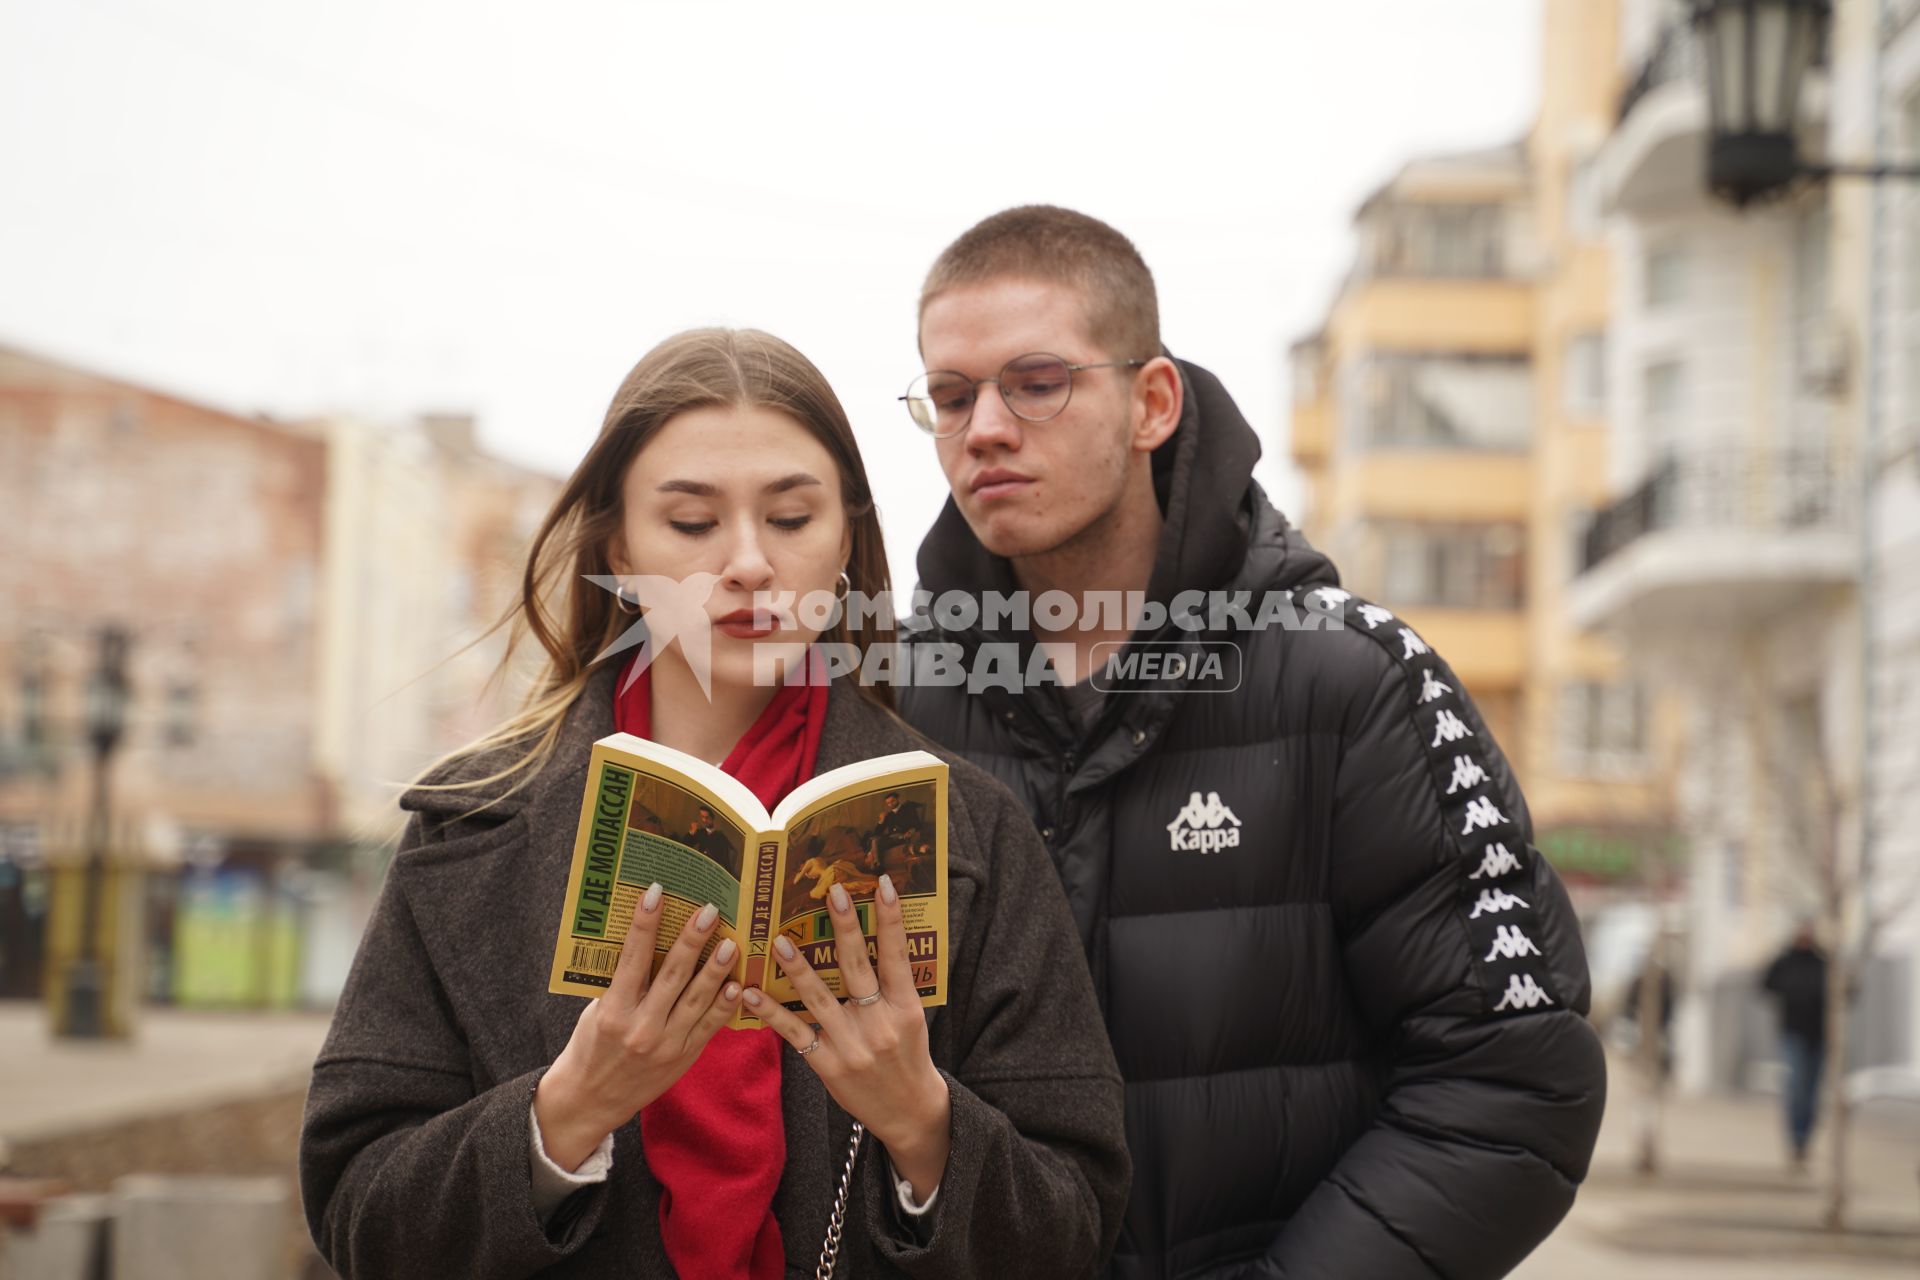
column 1343, row 987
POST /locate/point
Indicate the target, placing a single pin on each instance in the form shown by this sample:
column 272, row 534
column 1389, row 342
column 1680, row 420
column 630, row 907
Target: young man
column 1344, row 989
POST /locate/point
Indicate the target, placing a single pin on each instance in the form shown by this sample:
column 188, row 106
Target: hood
column 1218, row 521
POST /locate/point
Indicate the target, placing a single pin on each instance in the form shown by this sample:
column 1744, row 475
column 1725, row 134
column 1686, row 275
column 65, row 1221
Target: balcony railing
column 1676, row 55
column 1755, row 491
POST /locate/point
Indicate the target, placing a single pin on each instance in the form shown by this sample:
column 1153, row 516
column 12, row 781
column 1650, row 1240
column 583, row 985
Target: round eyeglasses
column 1035, row 386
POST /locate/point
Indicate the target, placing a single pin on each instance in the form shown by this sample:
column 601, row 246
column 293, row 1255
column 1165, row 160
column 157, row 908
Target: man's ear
column 1158, row 396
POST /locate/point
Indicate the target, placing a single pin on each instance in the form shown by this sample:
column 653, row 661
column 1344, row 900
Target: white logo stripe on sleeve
column 1493, row 851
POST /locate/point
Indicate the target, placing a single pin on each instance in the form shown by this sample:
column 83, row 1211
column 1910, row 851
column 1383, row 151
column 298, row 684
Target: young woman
column 464, row 1122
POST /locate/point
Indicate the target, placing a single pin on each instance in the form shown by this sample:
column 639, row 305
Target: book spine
column 760, row 920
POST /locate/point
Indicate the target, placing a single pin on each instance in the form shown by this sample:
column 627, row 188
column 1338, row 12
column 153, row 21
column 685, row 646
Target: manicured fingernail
column 723, row 954
column 752, row 997
column 708, row 914
column 888, row 893
column 784, row 948
column 732, row 992
column 651, row 903
column 838, row 896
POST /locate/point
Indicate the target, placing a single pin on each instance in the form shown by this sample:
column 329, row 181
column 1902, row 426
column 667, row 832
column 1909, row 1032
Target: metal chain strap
column 830, row 1248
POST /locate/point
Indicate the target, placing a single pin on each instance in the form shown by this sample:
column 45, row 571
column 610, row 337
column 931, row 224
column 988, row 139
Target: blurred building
column 201, row 533
column 1414, row 407
column 1601, row 738
column 1757, row 401
column 293, row 593
column 1881, row 279
column 1607, row 441
column 1449, row 421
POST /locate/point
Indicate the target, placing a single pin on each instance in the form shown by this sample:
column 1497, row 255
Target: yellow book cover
column 651, row 813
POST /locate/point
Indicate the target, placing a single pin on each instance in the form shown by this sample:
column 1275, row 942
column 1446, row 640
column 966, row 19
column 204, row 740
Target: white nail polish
column 708, row 914
column 723, row 954
column 651, row 903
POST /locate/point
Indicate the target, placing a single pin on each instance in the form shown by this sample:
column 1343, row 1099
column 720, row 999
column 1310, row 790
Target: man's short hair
column 1058, row 246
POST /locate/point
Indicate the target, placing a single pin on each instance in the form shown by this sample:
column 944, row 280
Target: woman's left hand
column 872, row 1057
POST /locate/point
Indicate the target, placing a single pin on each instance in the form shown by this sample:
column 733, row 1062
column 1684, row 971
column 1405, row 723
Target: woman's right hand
column 631, row 1044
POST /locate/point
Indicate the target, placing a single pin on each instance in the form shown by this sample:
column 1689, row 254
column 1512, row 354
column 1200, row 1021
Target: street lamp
column 108, row 693
column 1757, row 56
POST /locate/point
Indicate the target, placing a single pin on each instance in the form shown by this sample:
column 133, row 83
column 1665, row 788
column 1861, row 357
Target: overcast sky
column 391, row 207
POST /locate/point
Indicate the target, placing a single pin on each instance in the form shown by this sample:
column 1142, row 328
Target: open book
column 651, row 813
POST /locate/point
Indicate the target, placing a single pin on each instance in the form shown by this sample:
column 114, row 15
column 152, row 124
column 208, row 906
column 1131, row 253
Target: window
column 33, row 709
column 1603, row 729
column 182, row 715
column 1441, row 402
column 1454, row 566
column 1666, row 281
column 1304, row 363
column 1449, row 240
column 1584, row 387
column 1665, row 402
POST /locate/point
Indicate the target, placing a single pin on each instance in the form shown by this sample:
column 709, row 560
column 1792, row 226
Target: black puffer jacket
column 1350, row 1021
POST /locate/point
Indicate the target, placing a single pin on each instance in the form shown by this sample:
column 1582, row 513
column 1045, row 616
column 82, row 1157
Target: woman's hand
column 872, row 1057
column 631, row 1044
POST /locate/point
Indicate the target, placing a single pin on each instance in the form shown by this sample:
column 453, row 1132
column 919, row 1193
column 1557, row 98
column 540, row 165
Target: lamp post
column 1757, row 56
column 108, row 693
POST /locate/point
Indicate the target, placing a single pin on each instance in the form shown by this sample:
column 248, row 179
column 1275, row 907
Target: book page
column 645, row 820
column 868, row 822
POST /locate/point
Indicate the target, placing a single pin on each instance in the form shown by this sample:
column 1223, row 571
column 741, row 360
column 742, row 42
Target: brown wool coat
column 414, row 1151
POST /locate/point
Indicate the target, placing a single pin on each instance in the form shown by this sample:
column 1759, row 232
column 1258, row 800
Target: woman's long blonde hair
column 573, row 620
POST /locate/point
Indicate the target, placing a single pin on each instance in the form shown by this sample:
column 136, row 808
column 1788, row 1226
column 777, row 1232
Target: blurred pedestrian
column 1797, row 979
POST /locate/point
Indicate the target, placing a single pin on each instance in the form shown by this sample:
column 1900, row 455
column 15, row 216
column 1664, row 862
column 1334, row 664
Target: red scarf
column 717, row 1140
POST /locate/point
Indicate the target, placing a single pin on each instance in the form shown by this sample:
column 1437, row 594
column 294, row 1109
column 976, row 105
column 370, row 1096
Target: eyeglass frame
column 1071, row 369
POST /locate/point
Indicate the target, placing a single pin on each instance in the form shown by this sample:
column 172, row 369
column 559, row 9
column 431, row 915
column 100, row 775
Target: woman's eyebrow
column 701, row 489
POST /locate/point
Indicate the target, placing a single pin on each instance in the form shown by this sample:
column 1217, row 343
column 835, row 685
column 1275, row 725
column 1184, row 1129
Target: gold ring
column 810, row 1048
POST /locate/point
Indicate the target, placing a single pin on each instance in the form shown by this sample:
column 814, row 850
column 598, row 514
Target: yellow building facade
column 1449, row 423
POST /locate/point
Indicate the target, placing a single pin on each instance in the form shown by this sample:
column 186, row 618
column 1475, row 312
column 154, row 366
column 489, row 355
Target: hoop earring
column 621, row 599
column 846, row 586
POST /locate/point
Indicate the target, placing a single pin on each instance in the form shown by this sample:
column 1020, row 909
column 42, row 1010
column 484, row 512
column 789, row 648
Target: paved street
column 179, row 1061
column 1726, row 1206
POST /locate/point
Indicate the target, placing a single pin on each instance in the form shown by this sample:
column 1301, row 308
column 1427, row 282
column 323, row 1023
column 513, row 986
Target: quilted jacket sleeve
column 1464, row 956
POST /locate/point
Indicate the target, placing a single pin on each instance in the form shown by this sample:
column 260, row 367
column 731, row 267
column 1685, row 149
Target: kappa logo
column 1522, row 993
column 1511, row 944
column 1198, row 827
column 1497, row 861
column 1494, row 901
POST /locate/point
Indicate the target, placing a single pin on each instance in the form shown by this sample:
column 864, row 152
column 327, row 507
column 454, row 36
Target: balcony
column 1654, row 161
column 1714, row 540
